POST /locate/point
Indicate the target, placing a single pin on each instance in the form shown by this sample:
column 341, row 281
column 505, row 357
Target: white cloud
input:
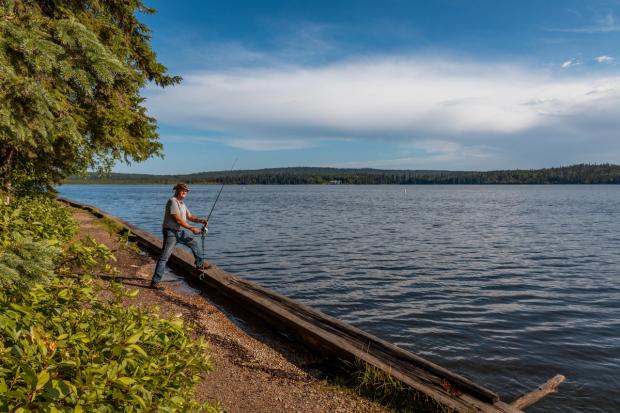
column 442, row 112
column 590, row 30
column 569, row 63
column 267, row 144
column 250, row 144
column 605, row 59
column 604, row 24
column 572, row 11
column 448, row 150
column 607, row 21
column 434, row 154
column 388, row 98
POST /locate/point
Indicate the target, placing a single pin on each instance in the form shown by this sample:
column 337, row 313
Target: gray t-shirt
column 174, row 207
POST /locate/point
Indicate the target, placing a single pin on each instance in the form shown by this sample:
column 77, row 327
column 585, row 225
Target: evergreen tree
column 70, row 78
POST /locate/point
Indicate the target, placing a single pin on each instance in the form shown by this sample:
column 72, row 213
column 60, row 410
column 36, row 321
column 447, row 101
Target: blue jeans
column 171, row 237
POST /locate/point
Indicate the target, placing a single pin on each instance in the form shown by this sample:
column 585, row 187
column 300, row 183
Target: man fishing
column 174, row 230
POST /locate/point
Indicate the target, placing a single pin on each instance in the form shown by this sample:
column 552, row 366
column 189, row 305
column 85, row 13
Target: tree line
column 574, row 174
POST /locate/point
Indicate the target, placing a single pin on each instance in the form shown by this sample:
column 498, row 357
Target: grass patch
column 125, row 236
column 111, row 226
column 374, row 384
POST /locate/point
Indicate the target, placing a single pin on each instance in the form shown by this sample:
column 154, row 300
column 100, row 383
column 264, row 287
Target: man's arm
column 184, row 224
column 194, row 218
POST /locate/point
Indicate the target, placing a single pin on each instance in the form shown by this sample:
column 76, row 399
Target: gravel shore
column 256, row 370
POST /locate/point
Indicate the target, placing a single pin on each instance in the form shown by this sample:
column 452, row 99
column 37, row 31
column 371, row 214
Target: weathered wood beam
column 534, row 396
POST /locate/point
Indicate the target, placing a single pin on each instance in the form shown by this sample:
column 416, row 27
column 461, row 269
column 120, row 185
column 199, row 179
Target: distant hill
column 574, row 174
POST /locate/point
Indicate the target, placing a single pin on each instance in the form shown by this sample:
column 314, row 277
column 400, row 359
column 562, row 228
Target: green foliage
column 126, row 243
column 70, row 88
column 63, row 349
column 113, row 227
column 88, row 258
column 24, row 261
column 32, row 230
column 39, row 217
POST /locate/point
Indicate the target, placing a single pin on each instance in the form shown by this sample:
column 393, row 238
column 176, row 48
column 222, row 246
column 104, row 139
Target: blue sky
column 459, row 85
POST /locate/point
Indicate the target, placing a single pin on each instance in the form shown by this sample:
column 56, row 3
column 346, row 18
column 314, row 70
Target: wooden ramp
column 329, row 335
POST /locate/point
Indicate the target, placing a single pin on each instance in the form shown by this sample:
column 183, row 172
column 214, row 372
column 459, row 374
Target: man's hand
column 195, row 230
column 204, row 222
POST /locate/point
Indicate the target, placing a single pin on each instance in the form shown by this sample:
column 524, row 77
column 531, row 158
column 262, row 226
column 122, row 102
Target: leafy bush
column 37, row 216
column 24, row 261
column 86, row 257
column 64, row 349
column 31, row 232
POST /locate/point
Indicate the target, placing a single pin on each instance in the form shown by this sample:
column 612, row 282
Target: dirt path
column 254, row 372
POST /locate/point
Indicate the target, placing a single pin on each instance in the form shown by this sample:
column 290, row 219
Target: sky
column 441, row 84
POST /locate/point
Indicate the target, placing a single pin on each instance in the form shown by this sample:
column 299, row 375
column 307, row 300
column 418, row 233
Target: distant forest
column 575, row 174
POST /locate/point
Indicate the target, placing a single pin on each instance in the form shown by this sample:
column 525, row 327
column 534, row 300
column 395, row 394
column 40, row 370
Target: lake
column 507, row 285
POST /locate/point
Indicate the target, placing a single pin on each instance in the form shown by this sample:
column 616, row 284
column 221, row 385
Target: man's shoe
column 204, row 266
column 157, row 287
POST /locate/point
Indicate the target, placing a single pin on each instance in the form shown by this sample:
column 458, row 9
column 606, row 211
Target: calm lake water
column 507, row 285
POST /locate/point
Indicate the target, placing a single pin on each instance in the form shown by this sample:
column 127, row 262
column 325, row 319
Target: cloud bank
column 403, row 100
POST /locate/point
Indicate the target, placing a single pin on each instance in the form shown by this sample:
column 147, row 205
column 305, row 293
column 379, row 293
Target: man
column 175, row 223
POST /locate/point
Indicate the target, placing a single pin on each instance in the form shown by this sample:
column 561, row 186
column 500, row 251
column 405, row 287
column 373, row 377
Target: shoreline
column 255, row 369
column 433, row 382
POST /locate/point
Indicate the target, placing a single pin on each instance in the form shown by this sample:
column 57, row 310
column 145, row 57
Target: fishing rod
column 204, row 230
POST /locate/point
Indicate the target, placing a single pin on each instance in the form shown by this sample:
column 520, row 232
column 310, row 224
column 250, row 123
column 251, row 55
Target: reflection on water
column 508, row 285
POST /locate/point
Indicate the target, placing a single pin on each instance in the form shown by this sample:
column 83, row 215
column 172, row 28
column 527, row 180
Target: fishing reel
column 204, row 231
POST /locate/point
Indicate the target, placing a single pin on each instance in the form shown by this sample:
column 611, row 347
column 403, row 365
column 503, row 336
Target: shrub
column 31, row 232
column 37, row 216
column 64, row 349
column 24, row 261
column 87, row 257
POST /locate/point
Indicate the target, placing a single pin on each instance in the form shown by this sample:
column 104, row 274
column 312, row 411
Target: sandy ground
column 255, row 369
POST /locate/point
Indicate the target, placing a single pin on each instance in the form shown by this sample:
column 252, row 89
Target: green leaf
column 138, row 349
column 29, row 377
column 42, row 379
column 19, row 308
column 66, row 294
column 125, row 381
column 134, row 337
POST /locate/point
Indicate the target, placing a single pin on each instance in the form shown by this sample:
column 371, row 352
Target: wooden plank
column 507, row 408
column 330, row 335
column 530, row 398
